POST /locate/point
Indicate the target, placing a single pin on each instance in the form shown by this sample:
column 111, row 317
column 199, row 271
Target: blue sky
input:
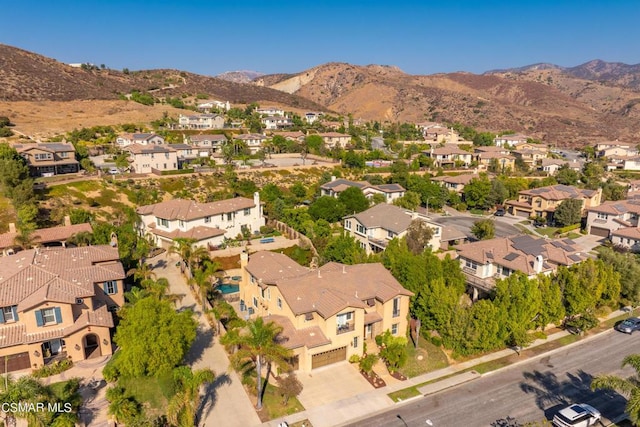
column 426, row 37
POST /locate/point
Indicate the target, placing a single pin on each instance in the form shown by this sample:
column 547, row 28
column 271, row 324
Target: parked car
column 577, row 415
column 114, row 171
column 500, row 212
column 628, row 326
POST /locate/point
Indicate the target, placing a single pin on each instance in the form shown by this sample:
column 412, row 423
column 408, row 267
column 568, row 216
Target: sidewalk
column 364, row 405
column 225, row 401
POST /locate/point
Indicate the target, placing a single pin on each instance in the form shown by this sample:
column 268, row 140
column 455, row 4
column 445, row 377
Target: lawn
column 426, row 358
column 272, row 405
column 156, row 392
column 547, row 231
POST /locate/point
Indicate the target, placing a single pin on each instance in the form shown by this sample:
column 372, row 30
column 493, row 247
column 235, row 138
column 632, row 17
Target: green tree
column 353, row 200
column 568, row 212
column 552, row 304
column 393, row 351
column 410, row 200
column 327, row 208
column 520, row 300
column 592, row 174
column 26, row 224
column 183, row 406
column 418, row 236
column 628, row 387
column 498, row 193
column 484, row 229
column 258, row 343
column 628, row 266
column 567, row 176
column 344, row 249
column 611, row 190
column 145, row 333
column 476, row 193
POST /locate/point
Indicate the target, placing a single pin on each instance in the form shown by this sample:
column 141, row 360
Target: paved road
column 529, row 392
column 464, row 224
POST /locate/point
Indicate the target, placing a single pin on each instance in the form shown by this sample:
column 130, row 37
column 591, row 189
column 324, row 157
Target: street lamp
column 428, row 204
column 401, row 419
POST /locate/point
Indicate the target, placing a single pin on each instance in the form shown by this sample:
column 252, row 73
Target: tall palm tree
column 142, row 272
column 629, row 387
column 184, row 405
column 203, row 279
column 184, row 248
column 159, row 289
column 258, row 343
column 26, row 389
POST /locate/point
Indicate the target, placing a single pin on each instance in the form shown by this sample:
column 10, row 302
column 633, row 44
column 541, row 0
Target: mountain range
column 567, row 106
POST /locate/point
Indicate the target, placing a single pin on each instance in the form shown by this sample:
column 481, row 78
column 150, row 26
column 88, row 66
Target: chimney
column 244, row 260
column 12, row 227
column 67, row 221
column 537, row 266
column 256, row 199
column 333, row 178
column 319, row 276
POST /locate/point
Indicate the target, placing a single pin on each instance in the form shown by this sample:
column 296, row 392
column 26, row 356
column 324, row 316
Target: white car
column 577, row 415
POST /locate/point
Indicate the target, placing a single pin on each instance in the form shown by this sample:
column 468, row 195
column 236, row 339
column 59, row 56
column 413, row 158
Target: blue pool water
column 227, row 288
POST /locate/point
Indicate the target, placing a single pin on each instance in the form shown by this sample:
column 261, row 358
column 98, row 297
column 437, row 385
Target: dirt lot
column 43, row 119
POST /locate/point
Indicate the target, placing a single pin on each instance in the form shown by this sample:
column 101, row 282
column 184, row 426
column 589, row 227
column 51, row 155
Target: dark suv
column 628, row 326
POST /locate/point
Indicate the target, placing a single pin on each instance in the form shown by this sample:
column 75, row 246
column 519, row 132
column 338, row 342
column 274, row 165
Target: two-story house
column 43, row 236
column 498, row 161
column 50, row 158
column 253, row 141
column 55, row 303
column 208, row 224
column 296, row 136
column 450, row 155
column 201, row 121
column 276, row 122
column 150, row 158
column 270, row 111
column 374, row 228
column 485, row 261
column 335, row 139
column 607, row 148
column 543, row 201
column 312, row 117
column 207, row 145
column 455, row 183
column 326, row 313
column 127, row 139
column 531, row 158
column 185, row 154
column 214, row 104
column 336, row 186
column 551, row 166
column 510, row 140
column 609, row 217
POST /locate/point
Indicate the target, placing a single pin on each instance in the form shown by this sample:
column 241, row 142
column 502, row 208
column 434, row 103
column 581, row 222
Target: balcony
column 347, row 327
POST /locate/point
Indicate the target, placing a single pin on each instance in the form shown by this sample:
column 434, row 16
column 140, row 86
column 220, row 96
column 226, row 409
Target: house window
column 163, row 222
column 308, row 317
column 470, row 264
column 255, row 302
column 602, row 215
column 394, row 329
column 48, row 315
column 355, row 342
column 9, row 314
column 396, row 307
column 247, row 212
column 229, row 216
column 181, row 223
column 207, row 219
column 360, row 229
column 110, row 287
column 347, row 224
column 279, row 303
column 345, row 322
column 390, row 234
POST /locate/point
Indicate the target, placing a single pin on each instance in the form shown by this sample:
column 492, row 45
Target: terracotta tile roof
column 628, row 232
column 519, row 253
column 618, row 207
column 188, row 210
column 372, row 317
column 56, row 274
column 494, row 155
column 248, row 136
column 12, row 334
column 100, row 317
column 458, row 179
column 328, row 290
column 143, row 149
column 58, row 234
column 490, row 149
column 196, row 233
column 339, row 185
column 385, row 216
column 214, row 137
column 451, row 233
column 334, row 135
column 291, row 338
column 559, row 192
column 550, row 161
column 7, row 240
column 52, row 147
column 448, row 149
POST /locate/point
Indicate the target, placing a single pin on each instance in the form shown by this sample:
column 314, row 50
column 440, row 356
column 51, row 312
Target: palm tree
column 202, row 278
column 258, row 344
column 629, row 387
column 142, row 272
column 184, row 405
column 83, row 238
column 184, row 248
column 26, row 389
column 159, row 289
column 135, row 295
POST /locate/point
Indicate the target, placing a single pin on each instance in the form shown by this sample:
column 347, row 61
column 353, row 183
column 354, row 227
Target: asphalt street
column 530, row 392
column 464, row 224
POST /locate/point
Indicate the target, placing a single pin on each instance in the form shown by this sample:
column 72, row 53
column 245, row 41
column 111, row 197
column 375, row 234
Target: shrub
column 354, row 358
column 53, row 369
column 367, row 362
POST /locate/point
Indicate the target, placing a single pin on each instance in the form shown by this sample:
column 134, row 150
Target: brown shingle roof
column 188, row 209
column 385, row 216
column 559, row 192
column 196, row 233
column 629, row 232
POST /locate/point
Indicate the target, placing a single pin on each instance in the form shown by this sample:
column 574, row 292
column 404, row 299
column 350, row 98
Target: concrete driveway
column 331, row 383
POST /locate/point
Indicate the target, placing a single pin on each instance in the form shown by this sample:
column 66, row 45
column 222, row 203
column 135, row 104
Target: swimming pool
column 228, row 288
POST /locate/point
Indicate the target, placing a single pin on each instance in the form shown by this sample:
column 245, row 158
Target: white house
column 127, row 139
column 449, row 155
column 276, row 122
column 511, row 140
column 147, row 158
column 209, row 105
column 611, row 216
column 207, row 223
column 270, row 111
column 207, row 144
column 254, row 141
column 201, row 121
column 311, row 117
column 378, row 225
column 336, row 186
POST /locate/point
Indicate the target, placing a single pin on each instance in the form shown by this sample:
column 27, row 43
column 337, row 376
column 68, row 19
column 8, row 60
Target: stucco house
column 485, row 261
column 511, row 140
column 57, row 236
column 201, row 121
column 530, row 157
column 604, row 219
column 449, row 155
column 48, row 159
column 55, row 304
column 496, row 159
column 276, row 122
column 336, row 186
column 150, row 158
column 270, row 111
column 208, row 224
column 543, row 201
column 254, row 141
column 127, row 139
column 335, row 139
column 207, row 144
column 326, row 313
column 374, row 228
column 455, row 183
